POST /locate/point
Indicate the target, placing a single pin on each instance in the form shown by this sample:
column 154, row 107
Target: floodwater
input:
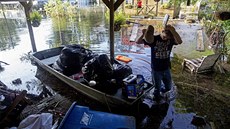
column 91, row 30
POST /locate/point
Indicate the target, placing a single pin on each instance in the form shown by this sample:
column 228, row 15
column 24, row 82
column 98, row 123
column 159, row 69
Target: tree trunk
column 157, row 9
column 60, row 32
column 177, row 8
column 188, row 2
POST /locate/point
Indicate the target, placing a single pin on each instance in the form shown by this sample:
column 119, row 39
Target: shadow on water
column 163, row 116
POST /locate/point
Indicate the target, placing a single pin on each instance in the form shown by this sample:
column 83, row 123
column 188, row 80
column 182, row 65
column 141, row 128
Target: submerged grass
column 206, row 95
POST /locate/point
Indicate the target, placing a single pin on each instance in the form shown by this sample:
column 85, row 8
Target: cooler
column 80, row 117
column 134, row 85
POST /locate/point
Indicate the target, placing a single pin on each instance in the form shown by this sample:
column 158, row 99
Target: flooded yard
column 206, row 96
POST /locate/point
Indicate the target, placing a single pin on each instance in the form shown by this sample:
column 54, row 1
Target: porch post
column 27, row 7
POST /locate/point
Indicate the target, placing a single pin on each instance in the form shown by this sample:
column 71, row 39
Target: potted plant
column 35, row 18
column 119, row 19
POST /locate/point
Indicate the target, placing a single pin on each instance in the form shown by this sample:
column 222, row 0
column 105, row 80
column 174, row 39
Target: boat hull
column 44, row 59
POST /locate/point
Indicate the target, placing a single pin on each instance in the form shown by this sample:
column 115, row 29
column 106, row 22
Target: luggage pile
column 94, row 70
column 72, row 58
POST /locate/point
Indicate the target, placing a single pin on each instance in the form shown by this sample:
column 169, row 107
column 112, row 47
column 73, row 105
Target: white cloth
column 37, row 121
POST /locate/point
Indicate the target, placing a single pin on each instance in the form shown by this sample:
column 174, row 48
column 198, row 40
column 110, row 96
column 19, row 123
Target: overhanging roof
column 13, row 0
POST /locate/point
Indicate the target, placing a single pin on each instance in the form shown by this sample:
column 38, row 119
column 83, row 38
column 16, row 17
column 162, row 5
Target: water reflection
column 87, row 28
column 8, row 34
column 164, row 116
column 151, row 117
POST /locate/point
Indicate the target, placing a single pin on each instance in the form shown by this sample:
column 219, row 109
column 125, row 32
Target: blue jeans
column 162, row 80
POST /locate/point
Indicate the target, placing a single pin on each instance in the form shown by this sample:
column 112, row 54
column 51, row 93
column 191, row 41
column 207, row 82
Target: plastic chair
column 201, row 65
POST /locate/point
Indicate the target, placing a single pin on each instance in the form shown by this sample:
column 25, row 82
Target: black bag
column 72, row 58
column 106, row 86
column 99, row 68
column 120, row 72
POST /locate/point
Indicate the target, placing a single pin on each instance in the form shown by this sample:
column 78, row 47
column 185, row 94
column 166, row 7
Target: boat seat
column 50, row 61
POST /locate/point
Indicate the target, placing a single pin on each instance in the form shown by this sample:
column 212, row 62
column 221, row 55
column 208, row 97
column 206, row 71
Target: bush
column 166, row 5
column 129, row 6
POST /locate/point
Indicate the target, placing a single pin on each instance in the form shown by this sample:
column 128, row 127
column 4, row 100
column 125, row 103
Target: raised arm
column 140, row 39
column 176, row 36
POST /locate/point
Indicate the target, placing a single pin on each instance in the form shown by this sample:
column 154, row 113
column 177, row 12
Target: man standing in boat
column 161, row 46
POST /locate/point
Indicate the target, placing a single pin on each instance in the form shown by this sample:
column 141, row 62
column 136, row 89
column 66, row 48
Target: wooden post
column 27, row 7
column 123, row 7
column 111, row 28
column 112, row 7
column 157, row 9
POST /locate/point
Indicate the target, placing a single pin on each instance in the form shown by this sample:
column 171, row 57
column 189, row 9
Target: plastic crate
column 80, row 117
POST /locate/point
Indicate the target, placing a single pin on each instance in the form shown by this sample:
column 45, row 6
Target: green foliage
column 129, row 6
column 119, row 17
column 226, row 25
column 222, row 81
column 203, row 4
column 226, row 40
column 35, row 16
column 193, row 2
column 59, row 23
column 166, row 5
column 55, row 8
column 207, row 14
column 208, row 8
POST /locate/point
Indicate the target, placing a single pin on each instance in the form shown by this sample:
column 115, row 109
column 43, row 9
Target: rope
column 107, row 103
